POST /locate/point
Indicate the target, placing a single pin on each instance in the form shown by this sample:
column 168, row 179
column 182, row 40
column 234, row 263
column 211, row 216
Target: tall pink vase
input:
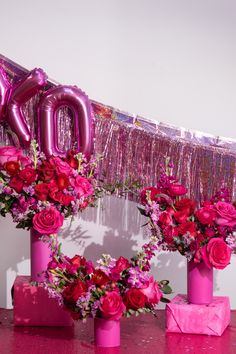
column 200, row 283
column 106, row 333
column 40, row 256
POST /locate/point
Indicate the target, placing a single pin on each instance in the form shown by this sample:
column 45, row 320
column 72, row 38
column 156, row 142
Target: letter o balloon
column 79, row 104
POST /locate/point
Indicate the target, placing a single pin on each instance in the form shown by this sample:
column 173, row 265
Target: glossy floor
column 142, row 335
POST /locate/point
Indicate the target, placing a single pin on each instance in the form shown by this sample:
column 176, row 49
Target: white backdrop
column 172, row 61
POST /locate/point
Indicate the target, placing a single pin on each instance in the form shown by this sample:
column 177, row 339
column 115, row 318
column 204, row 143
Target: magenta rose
column 216, row 253
column 225, row 214
column 152, row 292
column 48, row 221
column 11, row 153
column 111, row 306
column 61, row 166
column 82, row 187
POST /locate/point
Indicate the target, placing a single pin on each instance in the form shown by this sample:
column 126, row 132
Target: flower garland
column 109, row 289
column 202, row 234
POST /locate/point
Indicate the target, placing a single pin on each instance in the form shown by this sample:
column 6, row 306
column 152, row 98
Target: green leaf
column 166, row 289
column 142, row 211
column 165, row 300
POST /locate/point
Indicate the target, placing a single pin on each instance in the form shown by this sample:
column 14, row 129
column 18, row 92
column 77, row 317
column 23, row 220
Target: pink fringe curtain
column 133, row 148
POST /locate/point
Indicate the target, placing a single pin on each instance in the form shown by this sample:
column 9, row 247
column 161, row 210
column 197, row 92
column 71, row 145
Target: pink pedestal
column 40, row 256
column 200, row 283
column 182, row 317
column 106, row 333
column 33, row 307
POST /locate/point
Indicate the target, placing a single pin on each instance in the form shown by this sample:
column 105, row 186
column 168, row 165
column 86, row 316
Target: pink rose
column 61, row 166
column 225, row 214
column 216, row 253
column 82, row 187
column 11, row 153
column 111, row 306
column 48, row 221
column 152, row 292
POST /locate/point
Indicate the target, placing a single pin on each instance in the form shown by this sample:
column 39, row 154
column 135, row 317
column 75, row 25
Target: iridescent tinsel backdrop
column 134, row 147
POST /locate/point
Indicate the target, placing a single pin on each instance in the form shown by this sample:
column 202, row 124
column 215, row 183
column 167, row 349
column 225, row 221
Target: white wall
column 170, row 60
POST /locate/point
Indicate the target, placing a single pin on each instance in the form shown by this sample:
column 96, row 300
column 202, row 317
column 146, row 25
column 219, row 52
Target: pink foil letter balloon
column 12, row 99
column 79, row 104
column 5, row 88
column 21, row 93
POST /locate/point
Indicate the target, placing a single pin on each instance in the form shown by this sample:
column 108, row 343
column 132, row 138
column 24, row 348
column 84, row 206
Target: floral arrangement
column 40, row 192
column 108, row 290
column 205, row 233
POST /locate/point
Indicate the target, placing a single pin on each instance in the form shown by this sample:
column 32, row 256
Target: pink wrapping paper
column 182, row 317
column 33, row 307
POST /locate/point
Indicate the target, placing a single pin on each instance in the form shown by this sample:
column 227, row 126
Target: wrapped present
column 183, row 317
column 33, row 307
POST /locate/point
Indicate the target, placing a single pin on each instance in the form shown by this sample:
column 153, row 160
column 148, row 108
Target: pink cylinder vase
column 106, row 333
column 200, row 283
column 40, row 256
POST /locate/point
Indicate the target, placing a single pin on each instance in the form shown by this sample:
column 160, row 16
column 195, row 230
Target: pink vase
column 106, row 333
column 40, row 256
column 200, row 283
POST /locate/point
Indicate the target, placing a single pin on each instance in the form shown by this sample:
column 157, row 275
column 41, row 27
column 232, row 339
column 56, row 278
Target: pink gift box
column 33, row 307
column 212, row 319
